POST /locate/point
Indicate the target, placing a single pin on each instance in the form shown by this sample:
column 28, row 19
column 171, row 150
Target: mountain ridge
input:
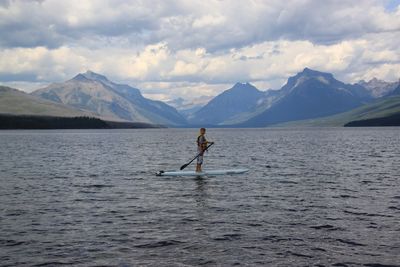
column 378, row 88
column 242, row 97
column 95, row 93
column 314, row 94
column 307, row 94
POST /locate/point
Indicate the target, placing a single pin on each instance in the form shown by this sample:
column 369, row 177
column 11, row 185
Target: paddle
column 187, row 164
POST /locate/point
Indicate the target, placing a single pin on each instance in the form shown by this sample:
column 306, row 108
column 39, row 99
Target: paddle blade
column 184, row 166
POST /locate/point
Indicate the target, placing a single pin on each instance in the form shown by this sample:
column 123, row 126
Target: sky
column 193, row 48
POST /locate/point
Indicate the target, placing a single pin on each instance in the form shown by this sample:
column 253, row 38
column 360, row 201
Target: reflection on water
column 200, row 195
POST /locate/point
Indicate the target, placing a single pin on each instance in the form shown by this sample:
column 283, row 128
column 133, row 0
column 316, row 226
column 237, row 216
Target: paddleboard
column 203, row 173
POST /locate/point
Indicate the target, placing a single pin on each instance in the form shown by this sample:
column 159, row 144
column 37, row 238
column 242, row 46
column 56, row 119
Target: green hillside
column 379, row 109
column 15, row 102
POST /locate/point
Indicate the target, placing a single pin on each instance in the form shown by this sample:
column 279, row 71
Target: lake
column 312, row 197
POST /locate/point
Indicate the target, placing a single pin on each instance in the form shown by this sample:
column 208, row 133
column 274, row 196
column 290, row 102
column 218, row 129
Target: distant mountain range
column 95, row 93
column 378, row 88
column 308, row 98
column 187, row 108
column 309, row 94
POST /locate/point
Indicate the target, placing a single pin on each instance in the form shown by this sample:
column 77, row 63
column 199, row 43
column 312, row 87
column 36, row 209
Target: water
column 313, row 197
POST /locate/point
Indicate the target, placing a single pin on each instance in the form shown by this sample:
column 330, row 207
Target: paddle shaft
column 187, row 164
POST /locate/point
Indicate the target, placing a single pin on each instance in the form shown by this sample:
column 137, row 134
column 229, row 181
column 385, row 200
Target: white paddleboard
column 203, row 173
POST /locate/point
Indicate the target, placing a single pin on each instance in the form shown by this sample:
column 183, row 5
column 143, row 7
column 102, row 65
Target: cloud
column 56, row 23
column 212, row 24
column 197, row 92
column 208, row 21
column 202, row 45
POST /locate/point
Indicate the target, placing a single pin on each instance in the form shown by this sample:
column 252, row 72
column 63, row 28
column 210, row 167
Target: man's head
column 202, row 130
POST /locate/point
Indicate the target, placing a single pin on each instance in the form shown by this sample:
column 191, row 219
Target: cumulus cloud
column 197, row 44
column 211, row 24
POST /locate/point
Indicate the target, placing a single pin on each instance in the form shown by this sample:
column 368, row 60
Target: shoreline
column 35, row 122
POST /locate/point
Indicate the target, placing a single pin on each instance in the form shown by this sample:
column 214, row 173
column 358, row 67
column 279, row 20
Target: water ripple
column 313, row 197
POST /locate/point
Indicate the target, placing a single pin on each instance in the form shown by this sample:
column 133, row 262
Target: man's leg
column 199, row 162
column 198, row 168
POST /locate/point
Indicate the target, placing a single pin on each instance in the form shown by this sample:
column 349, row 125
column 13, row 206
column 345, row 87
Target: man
column 202, row 144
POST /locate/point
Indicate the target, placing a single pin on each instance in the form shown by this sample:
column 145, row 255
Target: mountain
column 177, row 102
column 309, row 94
column 13, row 101
column 189, row 107
column 95, row 93
column 268, row 99
column 378, row 88
column 241, row 98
